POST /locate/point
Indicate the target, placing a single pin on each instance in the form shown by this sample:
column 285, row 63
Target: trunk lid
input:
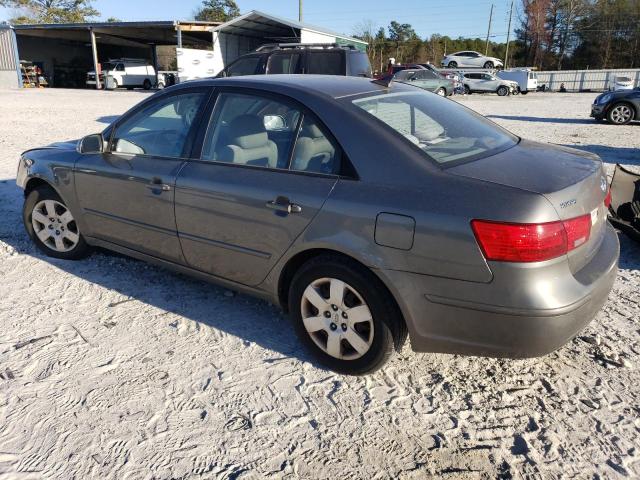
column 573, row 181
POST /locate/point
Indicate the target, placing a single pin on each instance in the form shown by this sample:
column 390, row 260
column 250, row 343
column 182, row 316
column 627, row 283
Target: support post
column 299, row 10
column 506, row 52
column 486, row 48
column 179, row 30
column 94, row 51
column 154, row 57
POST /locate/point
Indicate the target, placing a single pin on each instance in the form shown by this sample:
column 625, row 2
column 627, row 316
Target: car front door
column 127, row 193
column 265, row 169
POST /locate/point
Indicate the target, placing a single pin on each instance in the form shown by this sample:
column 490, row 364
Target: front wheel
column 452, row 65
column 467, row 90
column 524, row 92
column 442, row 92
column 344, row 315
column 620, row 114
column 502, row 91
column 51, row 225
column 146, row 84
column 488, row 65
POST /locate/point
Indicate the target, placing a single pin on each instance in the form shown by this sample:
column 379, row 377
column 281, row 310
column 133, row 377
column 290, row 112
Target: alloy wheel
column 337, row 318
column 621, row 114
column 442, row 92
column 54, row 225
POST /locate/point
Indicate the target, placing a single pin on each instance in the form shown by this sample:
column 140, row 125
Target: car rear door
column 262, row 175
column 127, row 193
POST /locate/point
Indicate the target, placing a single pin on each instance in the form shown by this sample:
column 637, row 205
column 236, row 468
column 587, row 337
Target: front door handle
column 283, row 204
column 156, row 184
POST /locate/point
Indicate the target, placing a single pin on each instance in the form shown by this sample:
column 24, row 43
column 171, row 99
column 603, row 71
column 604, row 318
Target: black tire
column 146, row 84
column 502, row 91
column 81, row 249
column 467, row 90
column 389, row 329
column 524, row 92
column 452, row 65
column 488, row 65
column 618, row 119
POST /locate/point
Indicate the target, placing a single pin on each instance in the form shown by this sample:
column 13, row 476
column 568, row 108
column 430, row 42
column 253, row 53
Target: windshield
column 441, row 128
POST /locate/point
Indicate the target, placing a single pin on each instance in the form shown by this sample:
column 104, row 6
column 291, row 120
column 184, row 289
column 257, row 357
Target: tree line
column 549, row 34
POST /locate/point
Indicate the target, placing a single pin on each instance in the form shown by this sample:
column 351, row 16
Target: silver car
column 478, row 82
column 472, row 59
column 367, row 212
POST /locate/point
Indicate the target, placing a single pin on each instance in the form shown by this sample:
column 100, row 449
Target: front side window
column 244, row 66
column 161, row 128
column 283, row 63
column 251, row 130
column 445, row 131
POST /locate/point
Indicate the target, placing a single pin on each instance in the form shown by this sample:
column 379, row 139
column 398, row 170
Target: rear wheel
column 467, row 90
column 524, row 92
column 488, row 65
column 441, row 91
column 452, row 65
column 620, row 114
column 51, row 225
column 146, row 84
column 344, row 315
column 502, row 91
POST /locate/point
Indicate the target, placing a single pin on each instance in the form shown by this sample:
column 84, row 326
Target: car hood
column 617, row 93
column 66, row 145
column 532, row 166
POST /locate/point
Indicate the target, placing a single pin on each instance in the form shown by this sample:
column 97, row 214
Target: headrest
column 311, row 130
column 247, row 131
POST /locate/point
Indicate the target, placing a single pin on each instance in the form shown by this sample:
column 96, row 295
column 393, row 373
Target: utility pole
column 299, row 10
column 506, row 53
column 486, row 49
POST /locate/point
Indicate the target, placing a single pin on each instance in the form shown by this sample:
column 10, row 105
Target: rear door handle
column 282, row 204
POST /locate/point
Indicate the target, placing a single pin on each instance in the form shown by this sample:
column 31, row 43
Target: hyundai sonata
column 366, row 211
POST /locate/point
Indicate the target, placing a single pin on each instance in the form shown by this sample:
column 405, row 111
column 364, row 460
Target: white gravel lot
column 110, row 368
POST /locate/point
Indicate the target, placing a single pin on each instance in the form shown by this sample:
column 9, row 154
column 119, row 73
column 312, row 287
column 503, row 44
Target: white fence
column 579, row 80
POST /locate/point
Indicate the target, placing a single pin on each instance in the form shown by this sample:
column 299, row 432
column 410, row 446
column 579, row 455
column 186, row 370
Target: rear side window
column 314, row 152
column 283, row 63
column 359, row 65
column 243, row 66
column 325, row 63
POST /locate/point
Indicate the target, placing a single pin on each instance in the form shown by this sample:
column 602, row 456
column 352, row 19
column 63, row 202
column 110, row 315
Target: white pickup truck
column 125, row 72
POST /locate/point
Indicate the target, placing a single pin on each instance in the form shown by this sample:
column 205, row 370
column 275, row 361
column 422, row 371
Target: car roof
column 334, row 86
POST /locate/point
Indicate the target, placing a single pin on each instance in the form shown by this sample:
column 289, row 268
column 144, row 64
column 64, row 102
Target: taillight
column 607, row 199
column 530, row 242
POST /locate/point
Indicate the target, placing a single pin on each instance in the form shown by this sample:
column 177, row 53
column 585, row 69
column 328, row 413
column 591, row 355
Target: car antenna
column 384, row 81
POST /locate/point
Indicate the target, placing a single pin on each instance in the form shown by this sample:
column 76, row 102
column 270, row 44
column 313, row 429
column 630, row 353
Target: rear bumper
column 440, row 323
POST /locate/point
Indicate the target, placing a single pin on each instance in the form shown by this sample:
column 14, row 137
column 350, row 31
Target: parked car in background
column 468, row 59
column 366, row 211
column 619, row 107
column 427, row 80
column 304, row 58
column 526, row 79
column 622, row 83
column 478, row 82
column 125, row 72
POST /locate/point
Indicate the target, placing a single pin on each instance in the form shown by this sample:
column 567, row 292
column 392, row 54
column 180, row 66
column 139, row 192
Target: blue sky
column 447, row 17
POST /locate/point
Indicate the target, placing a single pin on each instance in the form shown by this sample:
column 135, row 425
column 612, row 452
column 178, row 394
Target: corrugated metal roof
column 256, row 21
column 87, row 25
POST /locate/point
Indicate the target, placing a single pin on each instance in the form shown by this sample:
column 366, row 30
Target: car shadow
column 613, row 155
column 579, row 121
column 250, row 319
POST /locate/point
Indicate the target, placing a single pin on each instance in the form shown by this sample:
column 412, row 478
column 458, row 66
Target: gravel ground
column 110, row 368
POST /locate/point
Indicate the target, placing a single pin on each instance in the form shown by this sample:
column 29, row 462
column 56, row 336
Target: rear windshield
column 444, row 130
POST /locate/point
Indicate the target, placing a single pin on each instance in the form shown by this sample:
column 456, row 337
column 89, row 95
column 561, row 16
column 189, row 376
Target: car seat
column 313, row 152
column 249, row 143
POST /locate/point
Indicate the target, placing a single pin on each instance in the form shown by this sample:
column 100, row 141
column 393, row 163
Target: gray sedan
column 369, row 213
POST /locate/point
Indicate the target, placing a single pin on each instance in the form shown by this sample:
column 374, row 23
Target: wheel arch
column 36, row 182
column 296, row 261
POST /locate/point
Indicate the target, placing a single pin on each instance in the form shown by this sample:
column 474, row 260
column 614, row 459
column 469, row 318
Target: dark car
column 618, row 108
column 366, row 211
column 300, row 58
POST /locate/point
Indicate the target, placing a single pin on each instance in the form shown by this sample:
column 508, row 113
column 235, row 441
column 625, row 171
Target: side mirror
column 91, row 144
column 274, row 122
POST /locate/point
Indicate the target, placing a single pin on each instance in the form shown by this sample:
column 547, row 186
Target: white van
column 526, row 78
column 125, row 72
